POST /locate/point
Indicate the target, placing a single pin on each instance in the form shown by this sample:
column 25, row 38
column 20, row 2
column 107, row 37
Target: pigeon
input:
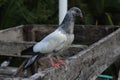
column 55, row 42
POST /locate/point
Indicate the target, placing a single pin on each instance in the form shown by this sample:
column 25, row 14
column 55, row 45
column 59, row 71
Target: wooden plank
column 12, row 34
column 88, row 64
column 17, row 78
column 7, row 70
column 84, row 65
column 19, row 70
column 13, row 48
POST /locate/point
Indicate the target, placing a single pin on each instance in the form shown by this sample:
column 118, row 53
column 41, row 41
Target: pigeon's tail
column 32, row 60
column 28, row 51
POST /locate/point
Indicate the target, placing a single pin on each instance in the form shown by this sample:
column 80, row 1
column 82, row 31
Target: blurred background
column 96, row 12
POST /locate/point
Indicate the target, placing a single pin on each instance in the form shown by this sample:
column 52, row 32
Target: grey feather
column 68, row 23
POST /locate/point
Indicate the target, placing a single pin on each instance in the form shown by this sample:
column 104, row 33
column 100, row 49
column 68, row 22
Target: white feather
column 5, row 64
column 51, row 42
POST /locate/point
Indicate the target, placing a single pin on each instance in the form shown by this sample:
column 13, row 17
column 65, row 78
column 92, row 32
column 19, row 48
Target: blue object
column 106, row 77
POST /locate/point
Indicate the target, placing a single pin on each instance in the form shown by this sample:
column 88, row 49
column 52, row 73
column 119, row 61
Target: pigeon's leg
column 52, row 63
column 60, row 62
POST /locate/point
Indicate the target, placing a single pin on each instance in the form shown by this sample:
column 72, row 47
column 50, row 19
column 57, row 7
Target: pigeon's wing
column 51, row 42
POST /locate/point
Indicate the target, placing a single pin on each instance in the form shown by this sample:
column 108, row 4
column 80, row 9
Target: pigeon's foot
column 59, row 61
column 53, row 64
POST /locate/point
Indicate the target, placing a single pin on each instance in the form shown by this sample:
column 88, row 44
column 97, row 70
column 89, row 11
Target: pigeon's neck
column 68, row 23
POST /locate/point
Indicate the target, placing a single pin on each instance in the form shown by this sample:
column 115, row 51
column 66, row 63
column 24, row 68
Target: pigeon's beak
column 81, row 16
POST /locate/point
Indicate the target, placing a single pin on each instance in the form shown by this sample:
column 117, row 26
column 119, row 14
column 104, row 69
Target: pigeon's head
column 76, row 11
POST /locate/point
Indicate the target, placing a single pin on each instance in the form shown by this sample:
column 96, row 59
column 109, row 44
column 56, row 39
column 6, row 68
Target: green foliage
column 109, row 18
column 97, row 10
column 16, row 12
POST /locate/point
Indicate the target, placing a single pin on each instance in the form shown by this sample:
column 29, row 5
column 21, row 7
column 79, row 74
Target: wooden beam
column 19, row 70
column 7, row 70
column 87, row 64
column 81, row 64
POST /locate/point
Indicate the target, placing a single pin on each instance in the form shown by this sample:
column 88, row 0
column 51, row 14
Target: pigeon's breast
column 70, row 38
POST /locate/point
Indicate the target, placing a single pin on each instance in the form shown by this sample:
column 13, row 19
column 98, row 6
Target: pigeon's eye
column 77, row 11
